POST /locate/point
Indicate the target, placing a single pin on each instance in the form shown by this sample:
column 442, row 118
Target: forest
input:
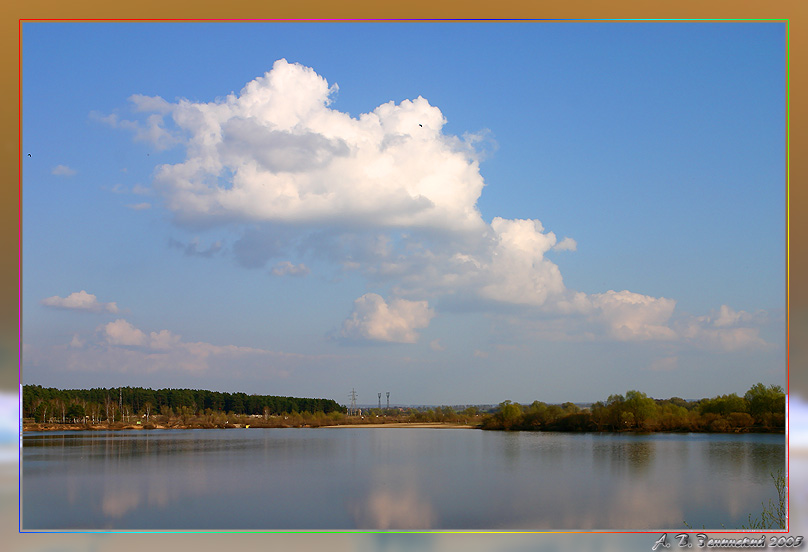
column 124, row 404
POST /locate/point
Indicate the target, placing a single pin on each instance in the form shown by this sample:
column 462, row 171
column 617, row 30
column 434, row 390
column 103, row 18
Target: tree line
column 761, row 408
column 43, row 404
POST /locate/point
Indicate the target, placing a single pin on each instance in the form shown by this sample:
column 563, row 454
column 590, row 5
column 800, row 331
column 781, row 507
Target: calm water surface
column 394, row 478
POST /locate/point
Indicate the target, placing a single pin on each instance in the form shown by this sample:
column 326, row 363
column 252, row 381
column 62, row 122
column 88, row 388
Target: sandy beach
column 436, row 425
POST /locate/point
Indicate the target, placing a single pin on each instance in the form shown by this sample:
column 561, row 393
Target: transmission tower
column 353, row 402
column 388, row 400
column 380, row 401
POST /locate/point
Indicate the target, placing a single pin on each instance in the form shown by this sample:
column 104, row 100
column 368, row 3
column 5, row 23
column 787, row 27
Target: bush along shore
column 761, row 409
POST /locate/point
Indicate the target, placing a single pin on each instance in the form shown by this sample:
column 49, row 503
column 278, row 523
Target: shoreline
column 30, row 428
column 44, row 428
column 434, row 425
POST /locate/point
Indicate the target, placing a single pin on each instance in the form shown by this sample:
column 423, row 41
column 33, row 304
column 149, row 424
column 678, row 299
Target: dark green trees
column 116, row 404
column 766, row 403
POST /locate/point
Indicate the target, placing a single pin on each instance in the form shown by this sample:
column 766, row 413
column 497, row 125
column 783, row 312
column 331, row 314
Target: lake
column 350, row 478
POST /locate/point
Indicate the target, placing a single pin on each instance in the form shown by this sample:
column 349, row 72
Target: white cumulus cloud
column 62, row 170
column 122, row 332
column 375, row 320
column 163, row 339
column 277, row 152
column 632, row 316
column 567, row 244
column 518, row 272
column 286, row 268
column 80, row 300
column 727, row 317
column 725, row 330
column 152, row 131
column 157, row 350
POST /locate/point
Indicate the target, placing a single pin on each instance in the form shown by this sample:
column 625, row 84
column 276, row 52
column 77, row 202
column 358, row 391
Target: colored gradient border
column 795, row 9
column 314, row 531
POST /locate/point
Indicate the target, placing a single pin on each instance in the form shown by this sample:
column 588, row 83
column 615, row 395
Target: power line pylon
column 388, row 400
column 353, row 402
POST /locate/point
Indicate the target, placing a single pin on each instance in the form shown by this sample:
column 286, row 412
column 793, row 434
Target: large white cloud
column 374, row 319
column 277, row 152
column 80, row 300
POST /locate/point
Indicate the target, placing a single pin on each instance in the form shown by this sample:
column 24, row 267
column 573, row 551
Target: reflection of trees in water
column 624, row 454
column 749, row 459
column 547, row 450
column 511, row 448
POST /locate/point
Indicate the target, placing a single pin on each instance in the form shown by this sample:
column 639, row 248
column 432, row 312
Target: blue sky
column 455, row 213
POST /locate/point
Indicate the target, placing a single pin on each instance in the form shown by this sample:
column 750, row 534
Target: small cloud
column 62, row 170
column 480, row 145
column 122, row 332
column 117, row 188
column 192, row 248
column 726, row 339
column 436, row 345
column 80, row 300
column 726, row 330
column 140, row 190
column 152, row 131
column 288, row 269
column 111, row 119
column 140, row 206
column 374, row 319
column 632, row 316
column 727, row 317
column 149, row 103
column 567, row 244
column 480, row 354
column 76, row 342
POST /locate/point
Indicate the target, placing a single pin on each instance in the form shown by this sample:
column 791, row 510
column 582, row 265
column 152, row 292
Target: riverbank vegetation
column 775, row 514
column 761, row 409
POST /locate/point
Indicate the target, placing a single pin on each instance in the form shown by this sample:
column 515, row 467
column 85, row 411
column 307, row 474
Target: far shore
column 29, row 427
